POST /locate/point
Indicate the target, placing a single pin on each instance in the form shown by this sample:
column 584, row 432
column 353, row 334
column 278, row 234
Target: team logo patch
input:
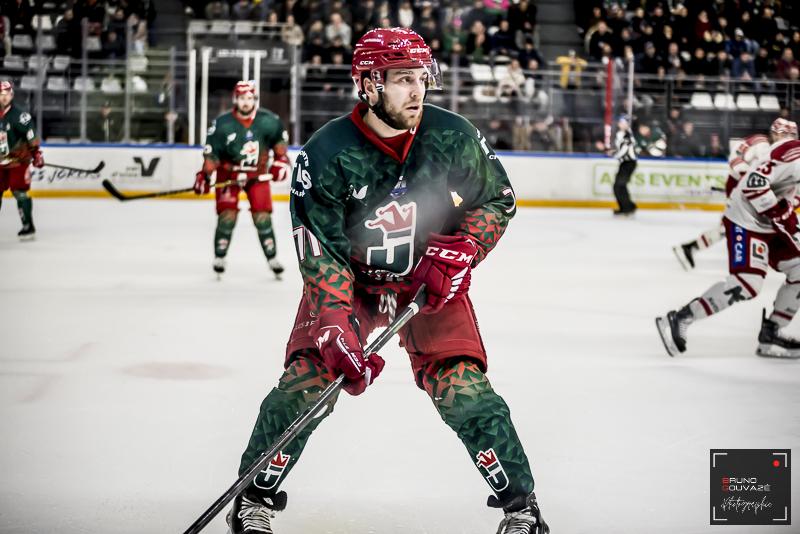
column 269, row 477
column 492, row 470
column 739, row 239
column 759, row 253
column 397, row 223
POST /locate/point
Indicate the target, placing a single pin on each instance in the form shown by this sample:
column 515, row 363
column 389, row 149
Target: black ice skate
column 672, row 329
column 219, row 266
column 685, row 255
column 28, row 232
column 251, row 513
column 625, row 214
column 276, row 267
column 772, row 343
column 522, row 516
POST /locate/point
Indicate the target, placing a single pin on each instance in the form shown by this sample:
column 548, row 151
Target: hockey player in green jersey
column 238, row 149
column 393, row 196
column 19, row 148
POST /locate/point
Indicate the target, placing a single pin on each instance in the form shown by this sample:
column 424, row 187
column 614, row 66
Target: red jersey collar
column 396, row 147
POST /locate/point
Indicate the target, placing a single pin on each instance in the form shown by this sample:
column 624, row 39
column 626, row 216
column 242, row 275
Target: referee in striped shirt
column 625, row 153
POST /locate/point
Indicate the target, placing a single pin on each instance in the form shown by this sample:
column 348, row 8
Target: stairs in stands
column 557, row 30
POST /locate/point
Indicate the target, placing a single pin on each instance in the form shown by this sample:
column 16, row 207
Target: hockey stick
column 119, row 195
column 300, row 423
column 75, row 169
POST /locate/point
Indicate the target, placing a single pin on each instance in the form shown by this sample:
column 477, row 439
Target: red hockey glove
column 445, row 269
column 38, row 159
column 342, row 353
column 280, row 169
column 202, row 185
column 784, row 220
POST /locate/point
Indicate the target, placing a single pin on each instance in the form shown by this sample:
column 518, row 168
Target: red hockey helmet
column 784, row 128
column 392, row 48
column 6, row 87
column 245, row 87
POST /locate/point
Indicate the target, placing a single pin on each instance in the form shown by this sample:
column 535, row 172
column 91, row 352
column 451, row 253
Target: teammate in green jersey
column 238, row 148
column 395, row 195
column 19, row 147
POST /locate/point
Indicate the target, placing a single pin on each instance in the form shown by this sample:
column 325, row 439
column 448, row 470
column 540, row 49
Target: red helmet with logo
column 392, row 48
column 245, row 87
column 6, row 87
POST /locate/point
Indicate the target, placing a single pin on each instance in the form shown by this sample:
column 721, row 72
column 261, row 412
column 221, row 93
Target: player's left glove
column 341, row 351
column 784, row 220
column 280, row 169
column 38, row 159
column 445, row 269
column 202, row 184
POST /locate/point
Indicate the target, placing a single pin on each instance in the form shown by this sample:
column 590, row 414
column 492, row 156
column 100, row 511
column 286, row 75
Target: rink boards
column 539, row 179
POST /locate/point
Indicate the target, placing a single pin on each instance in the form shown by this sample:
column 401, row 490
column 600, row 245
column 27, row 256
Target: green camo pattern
column 18, row 139
column 228, row 140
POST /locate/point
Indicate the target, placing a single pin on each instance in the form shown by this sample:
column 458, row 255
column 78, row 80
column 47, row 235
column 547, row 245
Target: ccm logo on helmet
column 447, row 254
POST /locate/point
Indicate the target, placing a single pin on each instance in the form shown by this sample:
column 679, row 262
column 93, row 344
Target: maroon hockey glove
column 445, row 269
column 202, row 185
column 280, row 169
column 784, row 220
column 342, row 353
column 38, row 159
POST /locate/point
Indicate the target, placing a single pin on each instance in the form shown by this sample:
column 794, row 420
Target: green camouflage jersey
column 360, row 215
column 18, row 139
column 230, row 141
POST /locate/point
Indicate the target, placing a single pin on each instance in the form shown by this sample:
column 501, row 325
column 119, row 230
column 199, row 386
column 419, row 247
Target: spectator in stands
column 744, row 67
column 94, row 12
column 600, row 36
column 657, row 19
column 688, row 144
column 722, row 65
column 479, row 12
column 651, row 141
column 702, row 26
column 681, row 26
column 645, row 36
column 179, row 128
column 5, row 40
column 616, row 20
column 522, row 20
column 292, row 33
column 502, row 41
column 794, row 44
column 649, row 62
column 106, row 126
column 541, row 137
column 699, row 65
column 405, row 14
column 673, row 62
column 638, row 20
column 20, row 14
column 766, row 26
column 512, row 84
column 786, row 62
column 337, row 27
column 497, row 135
column 765, row 67
column 113, row 47
column 242, row 10
column 138, row 34
column 118, row 24
column 740, row 45
column 217, row 10
column 521, row 133
column 68, row 34
column 478, row 46
column 338, row 47
column 571, row 68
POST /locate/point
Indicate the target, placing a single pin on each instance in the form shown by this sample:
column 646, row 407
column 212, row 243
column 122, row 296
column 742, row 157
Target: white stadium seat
column 701, row 101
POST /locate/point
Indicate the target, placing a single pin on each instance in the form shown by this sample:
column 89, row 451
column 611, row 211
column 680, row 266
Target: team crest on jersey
column 397, row 223
column 250, row 153
column 269, row 477
column 492, row 470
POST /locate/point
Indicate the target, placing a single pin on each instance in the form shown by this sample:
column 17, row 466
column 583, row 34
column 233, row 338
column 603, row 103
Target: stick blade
column 113, row 191
column 99, row 168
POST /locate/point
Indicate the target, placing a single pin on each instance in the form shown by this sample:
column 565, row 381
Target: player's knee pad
column 462, row 394
column 743, row 286
column 262, row 219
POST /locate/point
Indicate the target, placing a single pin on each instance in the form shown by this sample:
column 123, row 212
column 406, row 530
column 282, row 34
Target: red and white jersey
column 764, row 184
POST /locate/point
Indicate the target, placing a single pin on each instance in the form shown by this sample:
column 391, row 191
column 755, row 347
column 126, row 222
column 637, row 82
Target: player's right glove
column 202, row 185
column 38, row 159
column 341, row 351
column 445, row 269
column 784, row 220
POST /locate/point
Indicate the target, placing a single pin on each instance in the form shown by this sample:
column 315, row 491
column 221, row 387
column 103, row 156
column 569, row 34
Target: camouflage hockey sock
column 263, row 223
column 25, row 206
column 467, row 403
column 298, row 388
column 222, row 237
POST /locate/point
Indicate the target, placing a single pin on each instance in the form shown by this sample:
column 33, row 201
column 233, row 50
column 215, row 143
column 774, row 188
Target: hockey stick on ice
column 75, row 169
column 300, row 423
column 122, row 197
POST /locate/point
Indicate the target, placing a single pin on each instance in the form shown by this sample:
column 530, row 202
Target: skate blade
column 773, row 351
column 666, row 336
column 25, row 238
column 682, row 259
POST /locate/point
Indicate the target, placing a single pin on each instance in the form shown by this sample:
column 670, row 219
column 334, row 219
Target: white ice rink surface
column 130, row 379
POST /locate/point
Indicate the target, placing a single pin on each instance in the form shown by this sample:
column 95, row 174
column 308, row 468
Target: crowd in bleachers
column 61, row 27
column 740, row 39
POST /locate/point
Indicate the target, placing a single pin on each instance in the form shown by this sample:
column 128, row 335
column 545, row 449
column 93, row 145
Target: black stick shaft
column 300, row 423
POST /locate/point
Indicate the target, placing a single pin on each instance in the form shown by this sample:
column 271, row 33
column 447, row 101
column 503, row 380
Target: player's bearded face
column 403, row 93
column 5, row 99
column 245, row 103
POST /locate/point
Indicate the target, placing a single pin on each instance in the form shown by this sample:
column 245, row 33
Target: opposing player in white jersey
column 752, row 148
column 762, row 231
